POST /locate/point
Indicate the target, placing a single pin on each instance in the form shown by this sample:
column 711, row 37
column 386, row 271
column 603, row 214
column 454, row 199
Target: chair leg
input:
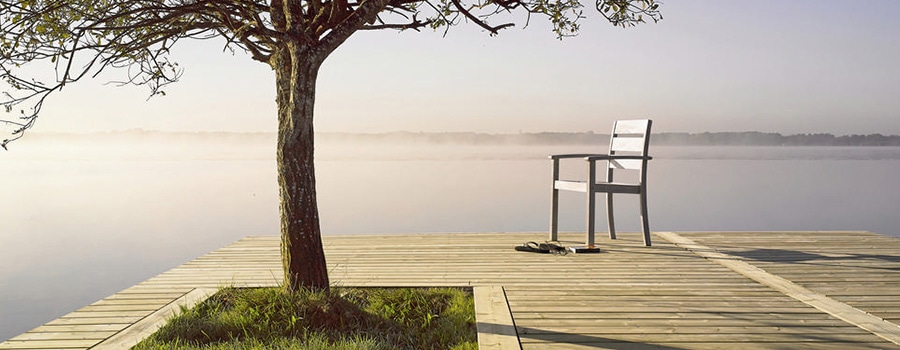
column 554, row 216
column 591, row 204
column 645, row 220
column 554, row 202
column 610, row 220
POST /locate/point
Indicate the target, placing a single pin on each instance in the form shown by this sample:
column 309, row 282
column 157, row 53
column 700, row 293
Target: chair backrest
column 629, row 137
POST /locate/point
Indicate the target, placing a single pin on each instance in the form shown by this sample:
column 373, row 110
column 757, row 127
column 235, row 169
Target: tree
column 76, row 39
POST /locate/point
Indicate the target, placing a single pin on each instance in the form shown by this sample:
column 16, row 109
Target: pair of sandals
column 542, row 248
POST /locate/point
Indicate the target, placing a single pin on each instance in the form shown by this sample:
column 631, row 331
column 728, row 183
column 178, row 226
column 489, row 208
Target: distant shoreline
column 750, row 138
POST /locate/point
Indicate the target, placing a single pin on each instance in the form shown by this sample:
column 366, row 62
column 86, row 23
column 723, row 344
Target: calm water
column 78, row 223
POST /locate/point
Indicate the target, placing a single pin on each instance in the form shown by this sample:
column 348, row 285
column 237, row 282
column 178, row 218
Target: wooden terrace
column 690, row 290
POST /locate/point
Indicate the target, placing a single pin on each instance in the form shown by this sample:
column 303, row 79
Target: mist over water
column 82, row 219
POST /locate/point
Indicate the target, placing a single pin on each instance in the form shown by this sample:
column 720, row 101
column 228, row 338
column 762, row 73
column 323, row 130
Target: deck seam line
column 857, row 317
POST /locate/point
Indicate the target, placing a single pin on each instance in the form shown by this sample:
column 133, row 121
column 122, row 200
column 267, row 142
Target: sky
column 802, row 66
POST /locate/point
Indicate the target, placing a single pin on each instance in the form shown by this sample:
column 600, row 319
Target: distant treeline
column 751, row 138
column 775, row 139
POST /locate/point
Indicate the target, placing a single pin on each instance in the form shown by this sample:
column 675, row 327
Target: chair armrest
column 607, row 157
column 578, row 155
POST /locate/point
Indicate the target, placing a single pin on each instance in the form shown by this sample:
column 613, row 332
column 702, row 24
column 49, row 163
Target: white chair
column 628, row 145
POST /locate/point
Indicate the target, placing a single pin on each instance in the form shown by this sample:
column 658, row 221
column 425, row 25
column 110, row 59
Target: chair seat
column 611, row 187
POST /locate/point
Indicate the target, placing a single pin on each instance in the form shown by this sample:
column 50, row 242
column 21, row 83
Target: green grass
column 344, row 318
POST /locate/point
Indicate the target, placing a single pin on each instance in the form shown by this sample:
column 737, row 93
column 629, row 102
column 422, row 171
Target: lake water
column 79, row 222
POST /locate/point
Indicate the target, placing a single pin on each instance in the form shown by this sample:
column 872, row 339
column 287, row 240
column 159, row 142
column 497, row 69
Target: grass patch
column 343, row 318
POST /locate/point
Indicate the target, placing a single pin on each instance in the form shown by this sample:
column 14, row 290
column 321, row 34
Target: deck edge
column 139, row 330
column 496, row 329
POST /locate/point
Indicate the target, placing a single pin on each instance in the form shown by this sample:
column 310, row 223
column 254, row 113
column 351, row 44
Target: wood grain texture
column 627, row 297
column 496, row 330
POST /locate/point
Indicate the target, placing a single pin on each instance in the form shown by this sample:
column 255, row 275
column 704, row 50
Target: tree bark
column 296, row 61
column 303, row 258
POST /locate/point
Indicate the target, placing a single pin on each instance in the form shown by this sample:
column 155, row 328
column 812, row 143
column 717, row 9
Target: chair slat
column 626, row 164
column 631, row 126
column 577, row 186
column 627, row 144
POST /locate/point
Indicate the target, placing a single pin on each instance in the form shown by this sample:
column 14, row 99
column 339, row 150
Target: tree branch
column 82, row 38
column 413, row 24
column 494, row 30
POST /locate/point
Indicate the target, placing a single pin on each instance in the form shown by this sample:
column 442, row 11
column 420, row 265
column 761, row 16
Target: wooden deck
column 703, row 290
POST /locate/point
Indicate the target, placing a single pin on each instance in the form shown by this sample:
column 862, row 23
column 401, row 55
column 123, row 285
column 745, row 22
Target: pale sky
column 774, row 66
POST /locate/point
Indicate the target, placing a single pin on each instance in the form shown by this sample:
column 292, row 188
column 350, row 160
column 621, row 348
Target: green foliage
column 628, row 13
column 81, row 38
column 396, row 318
column 313, row 342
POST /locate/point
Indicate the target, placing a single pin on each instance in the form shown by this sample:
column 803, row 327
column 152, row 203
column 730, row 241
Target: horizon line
column 406, row 132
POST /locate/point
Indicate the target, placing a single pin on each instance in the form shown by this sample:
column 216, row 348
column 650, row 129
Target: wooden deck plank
column 120, row 321
column 14, row 344
column 496, row 330
column 613, row 345
column 626, row 297
column 134, row 333
column 860, row 269
column 855, row 316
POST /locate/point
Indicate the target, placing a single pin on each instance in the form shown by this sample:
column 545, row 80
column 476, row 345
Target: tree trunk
column 303, row 258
